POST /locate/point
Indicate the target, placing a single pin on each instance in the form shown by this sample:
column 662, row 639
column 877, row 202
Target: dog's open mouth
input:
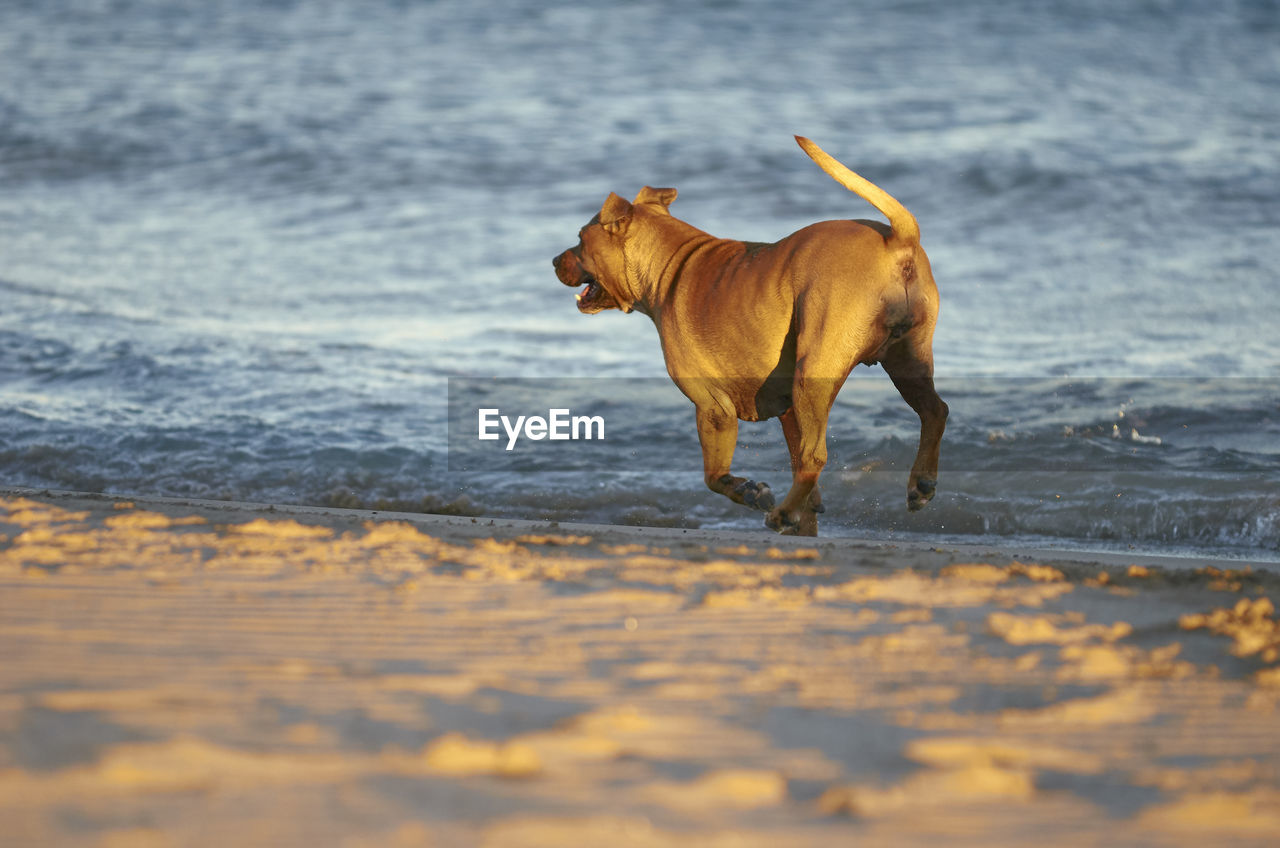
column 592, row 290
column 594, row 297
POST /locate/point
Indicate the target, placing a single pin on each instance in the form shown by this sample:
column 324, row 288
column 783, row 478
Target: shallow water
column 249, row 248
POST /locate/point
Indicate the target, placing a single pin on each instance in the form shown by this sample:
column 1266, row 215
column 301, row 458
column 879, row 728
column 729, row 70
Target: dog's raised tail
column 905, row 229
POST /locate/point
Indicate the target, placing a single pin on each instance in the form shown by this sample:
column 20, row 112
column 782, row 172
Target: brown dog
column 752, row 331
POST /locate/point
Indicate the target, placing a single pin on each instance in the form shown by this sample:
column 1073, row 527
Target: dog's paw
column 804, row 523
column 778, row 520
column 921, row 493
column 755, row 495
column 806, row 526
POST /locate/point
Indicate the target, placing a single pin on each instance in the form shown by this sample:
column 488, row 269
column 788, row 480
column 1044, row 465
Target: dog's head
column 598, row 261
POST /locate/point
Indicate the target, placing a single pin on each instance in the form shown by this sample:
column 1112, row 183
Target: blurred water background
column 246, row 248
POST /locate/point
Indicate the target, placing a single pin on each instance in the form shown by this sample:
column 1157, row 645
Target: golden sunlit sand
column 176, row 674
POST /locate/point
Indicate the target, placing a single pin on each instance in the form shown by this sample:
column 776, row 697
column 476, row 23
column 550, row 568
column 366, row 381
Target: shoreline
column 184, row 672
column 474, row 526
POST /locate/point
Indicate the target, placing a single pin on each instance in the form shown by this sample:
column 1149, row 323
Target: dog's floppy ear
column 615, row 214
column 660, row 196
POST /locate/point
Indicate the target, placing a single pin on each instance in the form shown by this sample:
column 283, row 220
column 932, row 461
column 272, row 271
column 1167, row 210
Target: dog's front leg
column 718, row 433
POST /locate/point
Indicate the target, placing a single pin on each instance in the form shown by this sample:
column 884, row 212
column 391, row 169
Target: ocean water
column 249, row 250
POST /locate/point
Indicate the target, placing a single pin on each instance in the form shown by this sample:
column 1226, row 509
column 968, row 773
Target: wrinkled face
column 598, row 261
column 579, row 266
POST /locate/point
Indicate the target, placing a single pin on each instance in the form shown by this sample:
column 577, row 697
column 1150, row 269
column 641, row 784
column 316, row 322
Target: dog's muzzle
column 594, row 298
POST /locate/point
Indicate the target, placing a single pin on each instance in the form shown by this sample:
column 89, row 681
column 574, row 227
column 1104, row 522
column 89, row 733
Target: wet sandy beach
column 200, row 673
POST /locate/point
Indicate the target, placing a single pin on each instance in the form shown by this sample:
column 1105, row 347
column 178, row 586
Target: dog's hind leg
column 807, row 525
column 718, row 433
column 909, row 363
column 805, row 426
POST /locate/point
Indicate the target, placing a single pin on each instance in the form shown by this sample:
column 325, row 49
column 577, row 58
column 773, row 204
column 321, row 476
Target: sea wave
column 248, row 244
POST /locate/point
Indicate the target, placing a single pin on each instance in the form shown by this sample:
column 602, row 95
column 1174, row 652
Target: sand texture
column 190, row 673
